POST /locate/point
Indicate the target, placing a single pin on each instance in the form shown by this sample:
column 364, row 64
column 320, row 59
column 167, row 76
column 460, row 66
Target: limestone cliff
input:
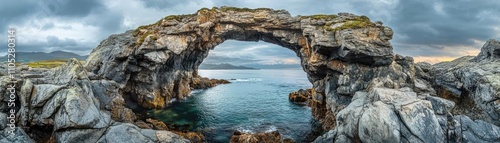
column 362, row 91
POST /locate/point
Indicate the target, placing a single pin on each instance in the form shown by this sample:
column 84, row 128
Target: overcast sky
column 431, row 30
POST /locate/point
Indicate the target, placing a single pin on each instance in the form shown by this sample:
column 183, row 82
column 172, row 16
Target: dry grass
column 48, row 63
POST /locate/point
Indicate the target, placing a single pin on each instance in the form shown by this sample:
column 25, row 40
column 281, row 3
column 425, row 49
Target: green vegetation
column 47, row 63
column 176, row 17
column 225, row 8
column 137, row 31
column 358, row 22
column 320, row 16
column 207, row 9
column 143, row 37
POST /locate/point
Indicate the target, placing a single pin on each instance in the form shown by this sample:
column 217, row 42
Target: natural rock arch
column 362, row 92
column 155, row 63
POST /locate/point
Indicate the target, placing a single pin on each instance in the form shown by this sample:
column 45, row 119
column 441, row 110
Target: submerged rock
column 204, row 83
column 270, row 137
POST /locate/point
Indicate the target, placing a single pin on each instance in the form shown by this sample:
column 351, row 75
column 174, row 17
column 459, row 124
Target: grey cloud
column 69, row 8
column 163, row 4
column 422, row 28
column 53, row 41
column 48, row 26
column 12, row 12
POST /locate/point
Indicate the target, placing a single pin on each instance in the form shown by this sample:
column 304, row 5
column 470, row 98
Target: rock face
column 473, row 83
column 66, row 106
column 362, row 91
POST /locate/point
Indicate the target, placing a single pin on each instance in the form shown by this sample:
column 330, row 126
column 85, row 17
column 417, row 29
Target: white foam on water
column 246, row 79
column 271, row 129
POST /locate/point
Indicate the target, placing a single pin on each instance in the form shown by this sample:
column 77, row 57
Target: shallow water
column 255, row 101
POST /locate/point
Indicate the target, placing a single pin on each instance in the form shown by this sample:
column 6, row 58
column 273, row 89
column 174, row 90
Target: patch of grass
column 320, row 16
column 177, row 17
column 207, row 9
column 47, row 63
column 143, row 37
column 357, row 22
column 137, row 31
column 244, row 9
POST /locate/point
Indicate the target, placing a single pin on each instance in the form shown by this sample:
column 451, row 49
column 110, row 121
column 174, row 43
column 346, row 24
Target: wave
column 246, row 79
column 257, row 128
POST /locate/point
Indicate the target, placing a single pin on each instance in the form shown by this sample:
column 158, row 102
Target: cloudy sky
column 433, row 30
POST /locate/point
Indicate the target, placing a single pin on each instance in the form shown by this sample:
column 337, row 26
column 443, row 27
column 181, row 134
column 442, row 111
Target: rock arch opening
column 255, row 101
column 155, row 64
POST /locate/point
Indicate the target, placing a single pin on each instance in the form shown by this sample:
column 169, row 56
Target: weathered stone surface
column 158, row 125
column 382, row 114
column 326, row 138
column 473, row 83
column 3, row 121
column 301, row 96
column 19, row 136
column 121, row 133
column 271, row 137
column 76, row 109
column 204, row 83
column 490, row 51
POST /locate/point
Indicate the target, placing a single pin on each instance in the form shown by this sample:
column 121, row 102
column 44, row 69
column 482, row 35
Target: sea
column 255, row 101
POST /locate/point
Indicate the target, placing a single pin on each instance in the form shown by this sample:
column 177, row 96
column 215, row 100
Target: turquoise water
column 255, row 101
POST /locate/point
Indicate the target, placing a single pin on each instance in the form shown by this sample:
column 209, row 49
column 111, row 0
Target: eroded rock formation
column 361, row 91
column 270, row 137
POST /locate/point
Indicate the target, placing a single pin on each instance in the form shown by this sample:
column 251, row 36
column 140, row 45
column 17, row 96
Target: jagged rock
column 383, row 114
column 301, row 96
column 158, row 125
column 19, row 136
column 476, row 131
column 203, row 82
column 271, row 137
column 121, row 133
column 194, row 137
column 143, row 125
column 77, row 109
column 328, row 137
column 490, row 51
column 473, row 83
column 441, row 106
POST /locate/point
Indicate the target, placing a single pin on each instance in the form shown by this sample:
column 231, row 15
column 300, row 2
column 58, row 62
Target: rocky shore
column 362, row 91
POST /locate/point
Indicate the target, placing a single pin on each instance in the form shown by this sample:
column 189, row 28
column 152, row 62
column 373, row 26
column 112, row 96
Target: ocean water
column 255, row 101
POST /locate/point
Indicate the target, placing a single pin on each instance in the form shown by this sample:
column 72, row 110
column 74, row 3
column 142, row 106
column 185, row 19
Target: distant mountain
column 222, row 66
column 39, row 56
column 275, row 66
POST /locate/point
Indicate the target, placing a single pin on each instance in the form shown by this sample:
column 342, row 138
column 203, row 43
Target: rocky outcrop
column 473, row 83
column 204, row 83
column 64, row 105
column 362, row 91
column 301, row 97
column 270, row 137
column 441, row 107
